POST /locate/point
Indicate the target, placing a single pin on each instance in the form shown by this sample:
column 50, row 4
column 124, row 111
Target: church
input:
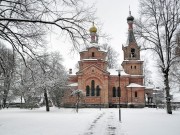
column 103, row 87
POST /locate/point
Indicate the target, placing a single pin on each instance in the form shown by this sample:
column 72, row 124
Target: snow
column 176, row 97
column 145, row 121
column 18, row 100
column 96, row 45
column 73, row 84
column 134, row 85
column 90, row 59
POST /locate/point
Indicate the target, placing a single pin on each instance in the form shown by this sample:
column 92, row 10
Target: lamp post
column 119, row 74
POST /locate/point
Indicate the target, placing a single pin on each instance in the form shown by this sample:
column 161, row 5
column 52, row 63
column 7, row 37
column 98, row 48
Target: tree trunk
column 77, row 105
column 167, row 89
column 6, row 91
column 46, row 100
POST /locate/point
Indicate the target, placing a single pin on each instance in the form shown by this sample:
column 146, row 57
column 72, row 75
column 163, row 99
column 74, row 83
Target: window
column 92, row 88
column 87, row 90
column 135, row 67
column 97, row 90
column 114, row 91
column 132, row 52
column 118, row 92
column 92, row 54
column 135, row 93
column 131, row 67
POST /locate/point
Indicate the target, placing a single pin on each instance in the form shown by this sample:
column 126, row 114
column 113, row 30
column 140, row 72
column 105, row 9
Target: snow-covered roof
column 96, row 45
column 136, row 75
column 135, row 60
column 134, row 85
column 115, row 72
column 89, row 59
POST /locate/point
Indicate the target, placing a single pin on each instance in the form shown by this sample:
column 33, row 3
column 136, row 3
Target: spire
column 129, row 11
column 94, row 36
column 130, row 20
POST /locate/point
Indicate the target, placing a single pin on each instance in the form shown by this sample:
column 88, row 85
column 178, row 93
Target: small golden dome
column 93, row 29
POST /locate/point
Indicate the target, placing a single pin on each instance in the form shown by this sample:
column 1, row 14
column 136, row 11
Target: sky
column 112, row 14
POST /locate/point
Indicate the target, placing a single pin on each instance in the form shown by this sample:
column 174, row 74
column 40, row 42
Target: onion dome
column 130, row 18
column 93, row 29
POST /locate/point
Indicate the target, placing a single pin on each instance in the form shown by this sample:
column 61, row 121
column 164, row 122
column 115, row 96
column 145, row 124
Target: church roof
column 130, row 38
column 93, row 65
column 134, row 85
column 91, row 45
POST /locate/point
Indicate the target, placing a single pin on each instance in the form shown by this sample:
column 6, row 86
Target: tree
column 24, row 23
column 7, row 65
column 79, row 96
column 175, row 69
column 112, row 56
column 156, row 29
column 44, row 76
column 50, row 76
column 60, row 77
column 147, row 72
column 24, row 83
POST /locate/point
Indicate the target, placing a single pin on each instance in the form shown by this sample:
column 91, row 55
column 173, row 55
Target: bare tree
column 7, row 65
column 60, row 77
column 44, row 76
column 156, row 29
column 79, row 97
column 147, row 72
column 175, row 72
column 24, row 83
column 24, row 23
column 112, row 56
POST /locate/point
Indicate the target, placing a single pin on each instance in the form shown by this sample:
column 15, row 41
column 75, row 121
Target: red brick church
column 100, row 85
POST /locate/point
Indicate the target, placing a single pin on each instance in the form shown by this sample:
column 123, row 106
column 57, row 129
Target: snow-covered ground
column 144, row 121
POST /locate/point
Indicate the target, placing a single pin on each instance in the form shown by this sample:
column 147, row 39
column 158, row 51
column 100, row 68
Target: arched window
column 118, row 92
column 132, row 52
column 97, row 90
column 92, row 54
column 135, row 93
column 92, row 88
column 131, row 67
column 114, row 91
column 87, row 90
column 135, row 67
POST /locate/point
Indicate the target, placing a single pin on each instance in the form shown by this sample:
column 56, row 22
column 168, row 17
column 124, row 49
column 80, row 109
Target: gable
column 92, row 69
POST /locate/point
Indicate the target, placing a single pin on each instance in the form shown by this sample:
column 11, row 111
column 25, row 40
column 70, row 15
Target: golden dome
column 93, row 29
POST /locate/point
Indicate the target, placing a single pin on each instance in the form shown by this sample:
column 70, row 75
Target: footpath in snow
column 146, row 121
column 105, row 123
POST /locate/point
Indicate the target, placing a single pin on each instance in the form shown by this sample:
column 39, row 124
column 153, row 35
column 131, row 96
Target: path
column 105, row 123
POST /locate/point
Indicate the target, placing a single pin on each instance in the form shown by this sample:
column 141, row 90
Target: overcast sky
column 112, row 14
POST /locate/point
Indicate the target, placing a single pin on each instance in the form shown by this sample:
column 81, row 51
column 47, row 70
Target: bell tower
column 132, row 64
